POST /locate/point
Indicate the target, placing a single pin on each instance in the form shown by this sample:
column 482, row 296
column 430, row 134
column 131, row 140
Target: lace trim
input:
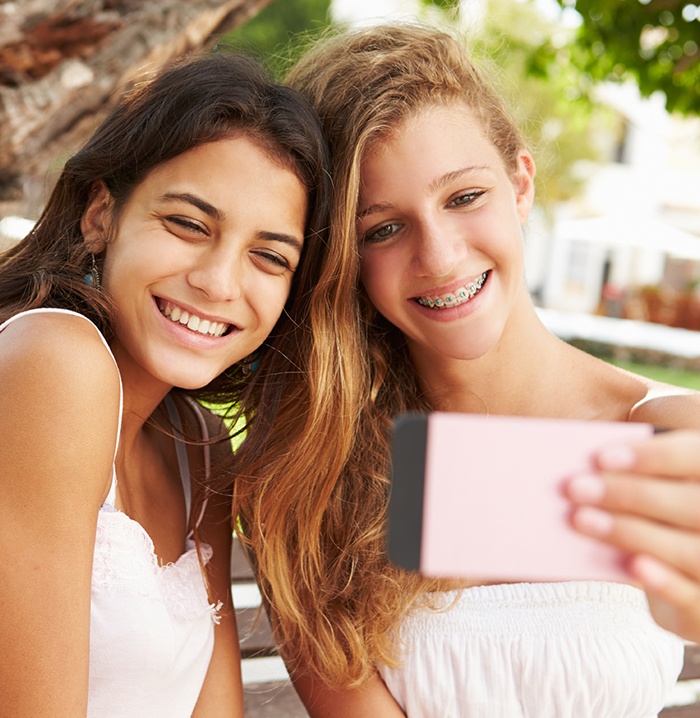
column 125, row 562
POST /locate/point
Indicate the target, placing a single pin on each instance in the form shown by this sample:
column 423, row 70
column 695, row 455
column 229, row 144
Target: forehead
column 240, row 151
column 453, row 121
column 433, row 139
column 235, row 175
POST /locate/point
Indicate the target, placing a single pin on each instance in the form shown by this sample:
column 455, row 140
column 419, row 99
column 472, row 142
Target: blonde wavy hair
column 312, row 501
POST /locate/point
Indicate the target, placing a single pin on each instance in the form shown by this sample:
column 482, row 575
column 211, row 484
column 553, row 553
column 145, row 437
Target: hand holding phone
column 480, row 497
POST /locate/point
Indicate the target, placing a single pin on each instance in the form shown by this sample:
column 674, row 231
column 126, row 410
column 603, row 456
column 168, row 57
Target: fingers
column 658, row 479
column 674, row 453
column 674, row 599
column 665, row 561
column 676, row 502
column 677, row 548
column 645, row 499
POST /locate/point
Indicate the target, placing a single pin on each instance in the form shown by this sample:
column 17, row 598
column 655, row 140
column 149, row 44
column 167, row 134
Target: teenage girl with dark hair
column 185, row 232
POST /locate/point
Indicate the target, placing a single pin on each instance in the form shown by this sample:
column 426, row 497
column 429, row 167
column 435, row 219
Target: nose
column 439, row 248
column 218, row 275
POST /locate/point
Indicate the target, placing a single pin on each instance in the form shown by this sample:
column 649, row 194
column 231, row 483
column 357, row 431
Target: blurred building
column 630, row 246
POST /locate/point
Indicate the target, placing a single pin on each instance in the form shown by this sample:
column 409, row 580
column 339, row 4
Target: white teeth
column 454, row 299
column 192, row 321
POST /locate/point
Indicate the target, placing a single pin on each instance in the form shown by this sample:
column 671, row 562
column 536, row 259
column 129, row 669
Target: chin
column 467, row 350
column 188, row 382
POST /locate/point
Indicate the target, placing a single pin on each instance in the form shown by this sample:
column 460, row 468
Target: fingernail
column 652, row 573
column 617, row 458
column 586, row 489
column 593, row 521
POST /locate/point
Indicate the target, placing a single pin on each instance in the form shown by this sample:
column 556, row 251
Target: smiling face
column 202, row 260
column 439, row 222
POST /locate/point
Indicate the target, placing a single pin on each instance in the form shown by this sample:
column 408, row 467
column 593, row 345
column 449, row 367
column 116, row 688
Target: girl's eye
column 276, row 262
column 381, row 233
column 188, row 225
column 466, row 199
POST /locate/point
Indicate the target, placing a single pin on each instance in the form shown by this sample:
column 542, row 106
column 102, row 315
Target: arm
column 222, row 692
column 370, row 700
column 56, row 456
column 645, row 499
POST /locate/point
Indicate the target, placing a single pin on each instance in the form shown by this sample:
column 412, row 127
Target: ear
column 524, row 183
column 95, row 222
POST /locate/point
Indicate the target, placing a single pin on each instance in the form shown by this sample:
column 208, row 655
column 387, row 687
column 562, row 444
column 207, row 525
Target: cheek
column 378, row 269
column 381, row 284
column 370, row 282
column 270, row 303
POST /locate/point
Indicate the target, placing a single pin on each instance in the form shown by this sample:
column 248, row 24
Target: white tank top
column 578, row 649
column 151, row 626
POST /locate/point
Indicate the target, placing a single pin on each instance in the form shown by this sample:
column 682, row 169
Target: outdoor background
column 608, row 93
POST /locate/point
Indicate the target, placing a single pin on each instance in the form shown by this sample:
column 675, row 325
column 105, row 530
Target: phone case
column 480, row 497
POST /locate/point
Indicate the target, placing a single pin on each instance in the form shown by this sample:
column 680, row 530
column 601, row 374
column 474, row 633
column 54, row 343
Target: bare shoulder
column 71, row 343
column 653, row 402
column 600, row 389
column 58, row 422
column 668, row 406
column 60, row 400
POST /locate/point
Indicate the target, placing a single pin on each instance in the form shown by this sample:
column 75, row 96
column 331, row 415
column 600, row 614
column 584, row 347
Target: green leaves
column 278, row 32
column 446, row 5
column 656, row 42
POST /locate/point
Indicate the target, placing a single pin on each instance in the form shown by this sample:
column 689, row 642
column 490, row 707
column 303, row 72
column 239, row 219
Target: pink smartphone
column 480, row 497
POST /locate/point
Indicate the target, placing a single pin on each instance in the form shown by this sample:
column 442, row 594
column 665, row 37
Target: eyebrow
column 434, row 186
column 197, row 202
column 281, row 237
column 448, row 177
column 218, row 215
column 382, row 207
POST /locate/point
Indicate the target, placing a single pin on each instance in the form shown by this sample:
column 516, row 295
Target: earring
column 92, row 278
column 250, row 363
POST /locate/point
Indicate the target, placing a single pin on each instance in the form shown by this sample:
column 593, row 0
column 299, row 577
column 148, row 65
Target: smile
column 192, row 321
column 453, row 299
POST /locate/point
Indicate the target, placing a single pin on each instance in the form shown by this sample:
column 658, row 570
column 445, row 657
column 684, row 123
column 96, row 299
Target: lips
column 193, row 322
column 461, row 295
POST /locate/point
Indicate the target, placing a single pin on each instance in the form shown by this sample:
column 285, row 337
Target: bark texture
column 62, row 60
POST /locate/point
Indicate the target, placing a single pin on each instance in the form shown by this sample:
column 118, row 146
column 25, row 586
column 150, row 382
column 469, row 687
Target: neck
column 142, row 395
column 511, row 378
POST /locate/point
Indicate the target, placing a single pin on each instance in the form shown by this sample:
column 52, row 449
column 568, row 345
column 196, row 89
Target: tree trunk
column 62, row 60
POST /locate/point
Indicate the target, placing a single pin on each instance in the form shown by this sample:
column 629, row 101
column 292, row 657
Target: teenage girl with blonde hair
column 432, row 186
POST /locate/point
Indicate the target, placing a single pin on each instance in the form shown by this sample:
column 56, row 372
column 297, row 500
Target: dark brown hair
column 195, row 101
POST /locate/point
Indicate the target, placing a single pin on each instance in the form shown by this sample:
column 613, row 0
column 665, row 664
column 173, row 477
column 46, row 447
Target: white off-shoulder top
column 544, row 650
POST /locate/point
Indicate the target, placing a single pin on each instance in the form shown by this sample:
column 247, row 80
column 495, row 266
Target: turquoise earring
column 92, row 278
column 250, row 363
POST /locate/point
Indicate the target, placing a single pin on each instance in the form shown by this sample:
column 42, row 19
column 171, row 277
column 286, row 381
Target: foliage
column 550, row 102
column 656, row 42
column 560, row 121
column 449, row 6
column 275, row 32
